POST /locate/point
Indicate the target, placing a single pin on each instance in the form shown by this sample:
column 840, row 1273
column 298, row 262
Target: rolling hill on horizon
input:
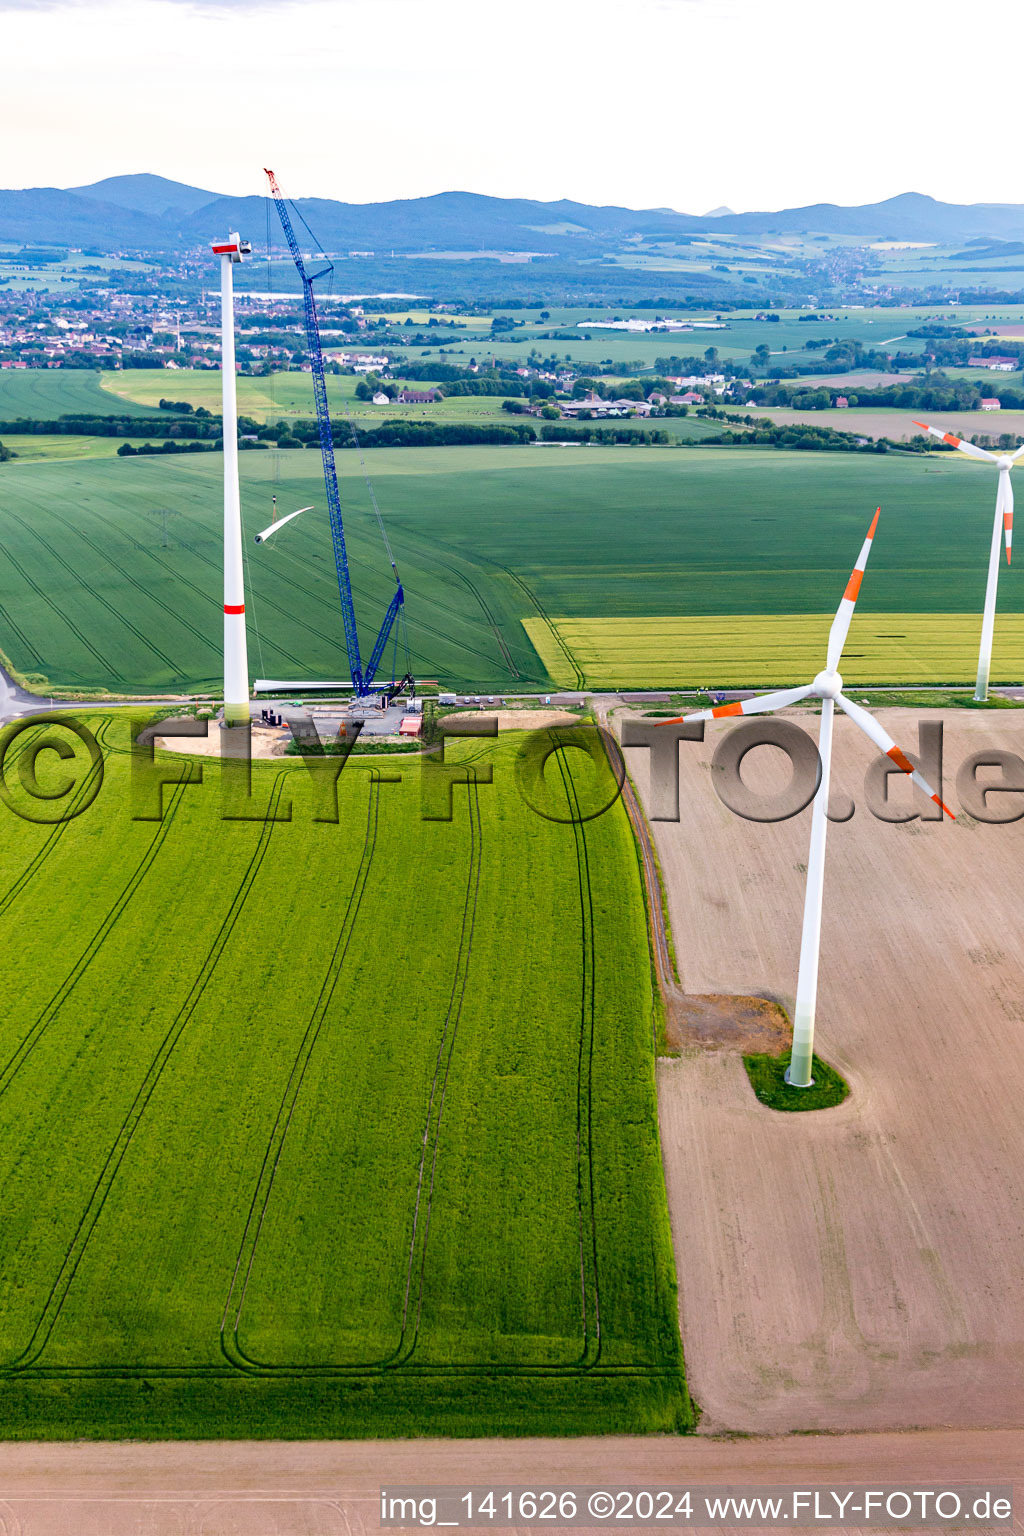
column 148, row 212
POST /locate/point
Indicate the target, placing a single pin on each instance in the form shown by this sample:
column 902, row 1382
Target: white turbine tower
column 236, row 661
column 827, row 686
column 1003, row 523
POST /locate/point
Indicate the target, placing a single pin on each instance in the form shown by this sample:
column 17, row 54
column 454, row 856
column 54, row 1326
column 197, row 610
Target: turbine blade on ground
column 844, row 613
column 958, row 442
column 756, row 706
column 871, row 728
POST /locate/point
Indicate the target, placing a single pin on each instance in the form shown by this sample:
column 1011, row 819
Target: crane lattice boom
column 362, row 679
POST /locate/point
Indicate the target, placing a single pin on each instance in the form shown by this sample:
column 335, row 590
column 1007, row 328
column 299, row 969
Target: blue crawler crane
column 362, row 677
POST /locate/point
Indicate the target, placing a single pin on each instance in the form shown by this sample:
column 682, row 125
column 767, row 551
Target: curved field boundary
column 90, row 1216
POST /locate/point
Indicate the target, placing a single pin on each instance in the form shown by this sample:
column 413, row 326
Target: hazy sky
column 649, row 103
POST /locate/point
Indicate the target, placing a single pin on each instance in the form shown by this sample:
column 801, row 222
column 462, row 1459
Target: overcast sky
column 649, row 103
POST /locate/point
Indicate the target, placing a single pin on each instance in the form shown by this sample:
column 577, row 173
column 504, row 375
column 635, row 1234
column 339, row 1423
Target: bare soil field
column 899, row 425
column 860, row 1267
column 324, row 1489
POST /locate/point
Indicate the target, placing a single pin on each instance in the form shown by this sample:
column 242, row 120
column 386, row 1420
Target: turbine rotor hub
column 827, row 685
column 1005, row 462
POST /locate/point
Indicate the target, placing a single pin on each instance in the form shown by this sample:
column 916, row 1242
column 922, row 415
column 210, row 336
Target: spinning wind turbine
column 827, row 686
column 1003, row 523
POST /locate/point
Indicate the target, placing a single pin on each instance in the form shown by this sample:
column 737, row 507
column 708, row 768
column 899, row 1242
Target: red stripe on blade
column 853, row 586
column 234, row 607
column 900, row 759
column 874, row 523
column 728, row 709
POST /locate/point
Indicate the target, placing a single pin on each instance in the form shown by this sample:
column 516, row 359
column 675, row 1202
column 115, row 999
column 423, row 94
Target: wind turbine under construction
column 827, row 687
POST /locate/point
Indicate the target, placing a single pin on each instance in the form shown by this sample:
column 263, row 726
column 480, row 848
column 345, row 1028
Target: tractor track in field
column 236, row 1362
column 39, row 858
column 12, row 1066
column 133, row 581
column 184, row 581
column 585, row 1198
column 506, row 654
column 87, row 1223
column 229, row 1341
column 364, row 596
column 450, row 1027
column 48, row 601
column 581, row 681
column 11, row 628
column 77, row 576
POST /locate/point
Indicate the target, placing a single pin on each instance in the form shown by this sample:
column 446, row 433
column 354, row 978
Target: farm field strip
column 753, row 649
column 485, row 539
column 375, row 1129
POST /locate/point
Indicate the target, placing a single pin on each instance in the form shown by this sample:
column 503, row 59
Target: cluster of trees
column 587, row 434
column 168, row 445
column 955, row 353
column 809, row 438
column 200, row 426
column 517, row 408
column 694, row 364
column 426, row 434
column 938, row 392
column 182, row 407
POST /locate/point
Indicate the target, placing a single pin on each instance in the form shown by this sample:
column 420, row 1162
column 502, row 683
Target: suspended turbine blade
column 259, row 537
column 1016, row 453
column 844, row 613
column 755, row 706
column 1007, row 515
column 871, row 728
column 957, row 442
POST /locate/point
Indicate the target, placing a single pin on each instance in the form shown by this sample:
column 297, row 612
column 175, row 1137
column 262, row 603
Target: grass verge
column 767, row 1078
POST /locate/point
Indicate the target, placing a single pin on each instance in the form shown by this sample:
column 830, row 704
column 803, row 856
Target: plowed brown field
column 860, row 1267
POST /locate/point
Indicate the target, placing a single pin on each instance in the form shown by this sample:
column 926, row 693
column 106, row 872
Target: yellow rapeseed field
column 750, row 650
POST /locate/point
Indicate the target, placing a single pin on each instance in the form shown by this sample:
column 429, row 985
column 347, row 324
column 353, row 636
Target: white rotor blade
column 958, row 442
column 871, row 728
column 1007, row 514
column 259, row 537
column 756, row 706
column 1016, row 453
column 844, row 613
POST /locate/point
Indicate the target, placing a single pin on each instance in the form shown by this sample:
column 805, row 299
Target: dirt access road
column 325, row 1489
column 861, row 1267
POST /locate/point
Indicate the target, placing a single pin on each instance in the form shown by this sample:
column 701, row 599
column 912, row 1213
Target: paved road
column 16, row 701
